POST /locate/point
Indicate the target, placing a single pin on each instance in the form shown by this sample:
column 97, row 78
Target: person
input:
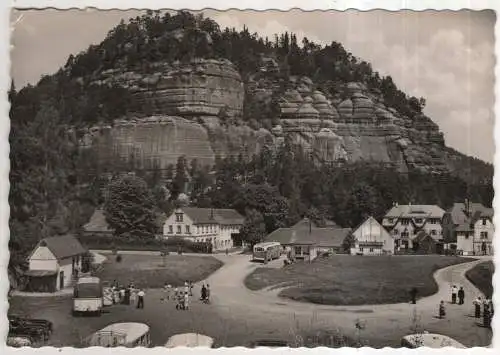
column 186, row 300
column 113, row 294
column 126, row 299
column 176, row 293
column 186, row 287
column 454, row 291
column 442, row 310
column 413, row 294
column 208, row 293
column 190, row 288
column 169, row 291
column 461, row 295
column 477, row 307
column 486, row 314
column 227, row 251
column 203, row 293
column 122, row 295
column 133, row 294
column 140, row 300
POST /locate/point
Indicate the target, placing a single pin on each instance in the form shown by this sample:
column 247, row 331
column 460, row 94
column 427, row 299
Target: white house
column 404, row 222
column 371, row 238
column 475, row 236
column 54, row 262
column 215, row 226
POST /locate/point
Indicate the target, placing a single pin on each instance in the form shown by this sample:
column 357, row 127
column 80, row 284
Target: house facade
column 404, row 222
column 371, row 238
column 475, row 236
column 216, row 226
column 54, row 263
column 305, row 241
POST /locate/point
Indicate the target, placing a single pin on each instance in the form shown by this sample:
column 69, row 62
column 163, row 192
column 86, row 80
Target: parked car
column 190, row 340
column 18, row 342
column 33, row 329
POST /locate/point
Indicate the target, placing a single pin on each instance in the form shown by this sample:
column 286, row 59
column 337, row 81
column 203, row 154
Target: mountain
column 164, row 86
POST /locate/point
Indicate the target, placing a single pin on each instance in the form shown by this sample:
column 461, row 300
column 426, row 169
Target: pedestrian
column 413, row 295
column 227, row 251
column 133, row 294
column 126, row 299
column 140, row 300
column 169, row 291
column 186, row 301
column 477, row 307
column 203, row 293
column 186, row 287
column 208, row 293
column 454, row 291
column 122, row 295
column 461, row 295
column 486, row 314
column 190, row 289
column 442, row 310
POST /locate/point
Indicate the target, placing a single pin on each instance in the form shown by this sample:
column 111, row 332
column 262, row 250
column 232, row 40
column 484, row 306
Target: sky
column 446, row 57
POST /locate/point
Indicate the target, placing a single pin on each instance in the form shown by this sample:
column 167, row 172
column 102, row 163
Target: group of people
column 127, row 295
column 487, row 305
column 182, row 295
column 458, row 297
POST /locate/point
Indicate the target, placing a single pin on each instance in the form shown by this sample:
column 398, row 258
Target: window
column 484, row 221
column 179, row 217
column 170, row 229
column 187, row 230
column 390, row 220
column 433, row 232
column 371, row 250
column 484, row 235
column 418, row 220
column 405, row 222
column 395, row 232
column 179, row 230
column 361, row 249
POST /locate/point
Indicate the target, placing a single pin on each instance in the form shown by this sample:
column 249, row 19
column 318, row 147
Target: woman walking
column 478, row 302
column 442, row 310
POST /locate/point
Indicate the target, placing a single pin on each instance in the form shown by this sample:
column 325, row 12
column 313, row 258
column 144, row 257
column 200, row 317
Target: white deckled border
column 392, row 5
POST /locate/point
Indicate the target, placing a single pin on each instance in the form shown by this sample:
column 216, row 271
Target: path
column 380, row 320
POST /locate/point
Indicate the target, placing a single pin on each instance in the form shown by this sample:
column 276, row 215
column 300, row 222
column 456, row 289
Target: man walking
column 454, row 291
column 413, row 295
column 461, row 295
column 477, row 307
column 140, row 298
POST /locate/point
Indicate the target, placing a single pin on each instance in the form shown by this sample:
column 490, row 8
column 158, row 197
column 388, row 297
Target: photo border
column 391, row 5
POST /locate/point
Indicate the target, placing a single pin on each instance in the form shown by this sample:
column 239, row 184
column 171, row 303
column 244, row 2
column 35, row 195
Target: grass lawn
column 482, row 277
column 355, row 280
column 148, row 271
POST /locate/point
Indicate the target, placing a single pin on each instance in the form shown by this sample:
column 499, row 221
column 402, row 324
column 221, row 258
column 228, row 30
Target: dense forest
column 55, row 185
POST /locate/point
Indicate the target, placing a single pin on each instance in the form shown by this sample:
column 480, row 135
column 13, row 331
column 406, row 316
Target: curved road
column 390, row 321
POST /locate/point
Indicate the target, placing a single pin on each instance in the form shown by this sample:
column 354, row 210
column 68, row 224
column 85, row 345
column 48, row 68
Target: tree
column 129, row 207
column 254, row 229
column 181, row 178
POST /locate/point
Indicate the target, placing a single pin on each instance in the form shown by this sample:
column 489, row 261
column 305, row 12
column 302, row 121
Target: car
column 33, row 329
column 190, row 340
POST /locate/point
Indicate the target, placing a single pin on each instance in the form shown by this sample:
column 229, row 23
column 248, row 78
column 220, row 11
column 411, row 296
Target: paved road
column 381, row 321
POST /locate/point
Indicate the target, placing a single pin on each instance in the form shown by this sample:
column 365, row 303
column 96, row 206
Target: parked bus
column 129, row 335
column 88, row 296
column 266, row 251
column 190, row 340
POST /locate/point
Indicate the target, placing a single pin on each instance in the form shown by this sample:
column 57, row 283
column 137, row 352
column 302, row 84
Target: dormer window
column 484, row 221
column 179, row 217
column 418, row 220
column 390, row 220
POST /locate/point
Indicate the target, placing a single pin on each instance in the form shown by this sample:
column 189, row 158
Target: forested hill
column 322, row 132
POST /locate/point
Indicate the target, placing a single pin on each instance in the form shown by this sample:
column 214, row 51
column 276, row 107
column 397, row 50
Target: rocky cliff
column 197, row 109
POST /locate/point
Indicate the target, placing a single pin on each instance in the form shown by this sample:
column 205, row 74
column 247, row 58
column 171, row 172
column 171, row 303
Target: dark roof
column 421, row 236
column 459, row 214
column 323, row 237
column 213, row 215
column 415, row 211
column 40, row 273
column 305, row 222
column 63, row 246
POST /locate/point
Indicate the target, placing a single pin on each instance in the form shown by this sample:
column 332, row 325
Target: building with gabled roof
column 304, row 240
column 404, row 222
column 475, row 235
column 220, row 227
column 371, row 238
column 54, row 262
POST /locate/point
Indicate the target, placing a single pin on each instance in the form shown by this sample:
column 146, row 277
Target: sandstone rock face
column 202, row 87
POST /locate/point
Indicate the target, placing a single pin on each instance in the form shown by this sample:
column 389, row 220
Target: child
column 442, row 311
